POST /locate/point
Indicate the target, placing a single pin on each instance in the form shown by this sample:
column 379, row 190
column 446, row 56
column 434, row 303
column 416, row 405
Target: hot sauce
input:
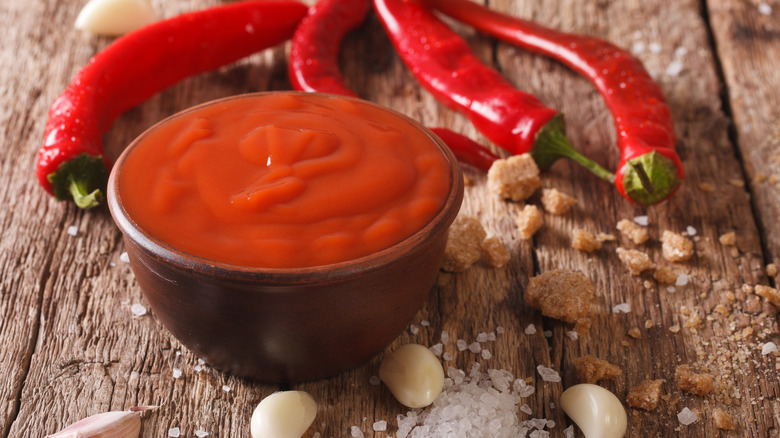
column 284, row 180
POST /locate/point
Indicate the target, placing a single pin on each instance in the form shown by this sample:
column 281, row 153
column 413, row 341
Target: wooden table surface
column 72, row 347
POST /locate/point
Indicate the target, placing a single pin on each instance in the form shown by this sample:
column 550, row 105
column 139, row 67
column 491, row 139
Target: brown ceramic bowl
column 287, row 325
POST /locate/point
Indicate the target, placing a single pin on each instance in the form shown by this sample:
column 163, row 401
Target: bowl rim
column 439, row 223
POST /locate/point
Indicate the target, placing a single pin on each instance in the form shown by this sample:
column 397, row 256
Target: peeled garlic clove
column 115, row 17
column 597, row 412
column 413, row 374
column 286, row 414
column 114, row 424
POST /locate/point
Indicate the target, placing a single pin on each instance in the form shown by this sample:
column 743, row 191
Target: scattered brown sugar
column 529, row 221
column 665, row 275
column 706, row 187
column 605, row 237
column 635, row 333
column 694, row 383
column 463, row 244
column 584, row 241
column 723, row 420
column 633, row 231
column 771, row 270
column 770, row 293
column 675, row 247
column 494, row 251
column 564, row 294
column 555, row 202
column 515, row 178
column 592, row 369
column 635, row 261
column 645, row 395
column 728, row 239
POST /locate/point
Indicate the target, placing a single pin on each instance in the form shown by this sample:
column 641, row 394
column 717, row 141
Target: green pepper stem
column 82, row 179
column 551, row 144
column 650, row 178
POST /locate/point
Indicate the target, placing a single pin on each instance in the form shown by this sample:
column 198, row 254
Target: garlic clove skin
column 114, row 424
column 115, row 17
column 413, row 374
column 285, row 414
column 596, row 411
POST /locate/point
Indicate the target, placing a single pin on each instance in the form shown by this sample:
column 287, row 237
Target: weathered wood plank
column 746, row 36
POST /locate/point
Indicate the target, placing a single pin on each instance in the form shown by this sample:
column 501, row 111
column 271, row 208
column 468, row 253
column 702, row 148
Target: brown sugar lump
column 515, row 178
column 665, row 275
column 592, row 369
column 770, row 293
column 564, row 294
column 494, row 251
column 728, row 239
column 634, row 232
column 555, row 202
column 529, row 221
column 463, row 244
column 584, row 241
column 723, row 420
column 694, row 383
column 636, row 261
column 675, row 247
column 645, row 395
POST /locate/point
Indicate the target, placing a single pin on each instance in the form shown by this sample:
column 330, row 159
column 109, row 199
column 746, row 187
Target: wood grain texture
column 73, row 348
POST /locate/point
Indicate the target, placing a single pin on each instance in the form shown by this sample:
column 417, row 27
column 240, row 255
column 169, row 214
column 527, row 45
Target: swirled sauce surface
column 284, row 180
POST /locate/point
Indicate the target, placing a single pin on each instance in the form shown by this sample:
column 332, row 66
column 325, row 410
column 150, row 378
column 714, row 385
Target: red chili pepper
column 313, row 66
column 445, row 65
column 71, row 163
column 649, row 170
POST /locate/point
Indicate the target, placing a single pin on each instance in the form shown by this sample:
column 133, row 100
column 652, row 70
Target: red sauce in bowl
column 284, row 180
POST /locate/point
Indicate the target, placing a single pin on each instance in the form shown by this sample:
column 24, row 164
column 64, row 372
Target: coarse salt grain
column 201, row 433
column 642, row 220
column 174, row 432
column 655, row 47
column 686, row 416
column 671, row 289
column 764, row 9
column 547, row 333
column 674, row 68
column 356, row 432
column 425, row 323
column 124, row 257
column 138, row 309
column 461, row 344
column 474, row 347
column 690, row 230
column 680, row 51
column 482, row 337
column 198, row 368
column 682, row 280
column 526, row 409
column 73, row 230
column 486, row 354
column 380, row 426
column 374, row 380
column 569, row 432
column 176, row 373
column 447, row 355
column 769, row 347
column 638, row 47
column 548, row 374
column 225, row 388
column 414, row 329
column 530, row 329
column 445, row 337
column 573, row 335
column 437, row 349
column 622, row 307
column 499, row 330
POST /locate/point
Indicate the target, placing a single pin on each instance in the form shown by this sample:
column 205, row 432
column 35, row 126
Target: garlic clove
column 286, row 414
column 413, row 374
column 114, row 424
column 115, row 17
column 596, row 411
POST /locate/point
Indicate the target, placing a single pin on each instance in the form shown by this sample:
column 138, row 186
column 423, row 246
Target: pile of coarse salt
column 475, row 405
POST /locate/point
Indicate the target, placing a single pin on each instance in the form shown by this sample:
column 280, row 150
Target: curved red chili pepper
column 71, row 163
column 445, row 65
column 649, row 170
column 313, row 66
